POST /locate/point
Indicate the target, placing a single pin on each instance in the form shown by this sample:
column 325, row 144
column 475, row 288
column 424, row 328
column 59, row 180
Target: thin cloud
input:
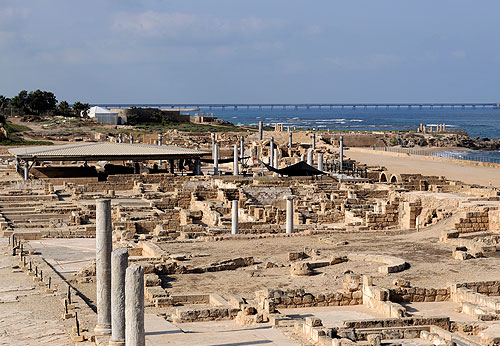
column 190, row 28
column 459, row 54
column 371, row 62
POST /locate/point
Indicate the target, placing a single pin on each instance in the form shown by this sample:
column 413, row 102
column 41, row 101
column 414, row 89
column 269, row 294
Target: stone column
column 234, row 223
column 213, row 143
column 276, row 158
column 160, row 143
column 119, row 264
column 134, row 306
column 242, row 148
column 120, row 138
column 103, row 266
column 197, row 167
column 310, row 157
column 216, row 159
column 302, row 157
column 341, row 155
column 320, row 161
column 271, row 152
column 290, row 136
column 289, row 214
column 26, row 170
column 235, row 160
column 314, row 142
column 261, row 130
column 131, row 139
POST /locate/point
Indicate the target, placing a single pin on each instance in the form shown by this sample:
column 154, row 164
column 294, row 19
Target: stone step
column 482, row 313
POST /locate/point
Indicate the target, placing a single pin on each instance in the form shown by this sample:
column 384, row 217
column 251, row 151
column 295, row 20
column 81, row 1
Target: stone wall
column 473, row 221
column 298, row 298
column 488, row 288
column 419, row 294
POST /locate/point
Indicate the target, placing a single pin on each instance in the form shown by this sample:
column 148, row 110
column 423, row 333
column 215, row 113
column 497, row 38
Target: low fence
column 444, row 154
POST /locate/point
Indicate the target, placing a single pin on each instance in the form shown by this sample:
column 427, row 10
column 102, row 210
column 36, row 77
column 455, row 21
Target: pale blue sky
column 130, row 51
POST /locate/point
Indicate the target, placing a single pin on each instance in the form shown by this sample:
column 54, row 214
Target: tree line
column 39, row 103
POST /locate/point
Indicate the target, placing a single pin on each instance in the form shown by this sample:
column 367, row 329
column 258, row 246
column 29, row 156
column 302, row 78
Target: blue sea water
column 478, row 122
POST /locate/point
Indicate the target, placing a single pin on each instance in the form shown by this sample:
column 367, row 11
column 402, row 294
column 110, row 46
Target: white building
column 103, row 115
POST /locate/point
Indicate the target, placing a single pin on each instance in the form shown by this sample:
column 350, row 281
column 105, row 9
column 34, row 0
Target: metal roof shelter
column 97, row 151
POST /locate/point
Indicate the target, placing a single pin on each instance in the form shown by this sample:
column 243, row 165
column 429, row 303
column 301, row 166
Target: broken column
column 134, row 306
column 235, row 160
column 216, row 159
column 289, row 214
column 120, row 138
column 103, row 266
column 341, row 154
column 119, row 264
column 320, row 161
column 314, row 142
column 234, row 223
column 310, row 156
column 131, row 139
column 290, row 136
column 261, row 130
column 302, row 157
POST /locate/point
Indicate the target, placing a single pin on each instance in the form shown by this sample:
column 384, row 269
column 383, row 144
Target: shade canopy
column 299, row 169
column 97, row 151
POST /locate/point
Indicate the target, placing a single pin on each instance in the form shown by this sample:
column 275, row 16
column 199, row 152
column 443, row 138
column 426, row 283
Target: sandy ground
column 271, row 268
column 419, row 164
column 418, row 249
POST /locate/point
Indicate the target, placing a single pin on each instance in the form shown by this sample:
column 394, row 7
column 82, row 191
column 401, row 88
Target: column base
column 102, row 329
column 116, row 343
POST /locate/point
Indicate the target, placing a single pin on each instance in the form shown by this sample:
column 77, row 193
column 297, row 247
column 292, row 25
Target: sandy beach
column 485, row 176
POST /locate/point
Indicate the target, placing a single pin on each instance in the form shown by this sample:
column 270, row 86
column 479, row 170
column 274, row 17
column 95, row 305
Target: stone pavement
column 28, row 316
column 66, row 255
column 159, row 332
column 21, row 328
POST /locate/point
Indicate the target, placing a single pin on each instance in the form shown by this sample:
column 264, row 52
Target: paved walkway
column 27, row 315
column 66, row 255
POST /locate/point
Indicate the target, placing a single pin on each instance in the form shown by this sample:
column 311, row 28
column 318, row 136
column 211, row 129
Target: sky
column 258, row 51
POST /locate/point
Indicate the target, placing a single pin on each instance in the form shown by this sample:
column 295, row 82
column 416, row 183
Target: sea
column 478, row 122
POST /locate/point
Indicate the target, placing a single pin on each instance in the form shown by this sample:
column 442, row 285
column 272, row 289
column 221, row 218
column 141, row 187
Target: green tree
column 79, row 107
column 4, row 101
column 40, row 102
column 64, row 109
column 20, row 102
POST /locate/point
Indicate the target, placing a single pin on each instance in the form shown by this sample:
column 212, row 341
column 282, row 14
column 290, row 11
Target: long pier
column 235, row 106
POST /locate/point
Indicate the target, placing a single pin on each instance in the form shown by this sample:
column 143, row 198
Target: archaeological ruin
column 245, row 238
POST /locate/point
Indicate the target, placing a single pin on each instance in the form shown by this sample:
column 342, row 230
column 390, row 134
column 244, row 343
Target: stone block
column 313, row 322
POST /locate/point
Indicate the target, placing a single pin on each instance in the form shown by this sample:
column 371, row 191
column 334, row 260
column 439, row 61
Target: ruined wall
column 473, row 221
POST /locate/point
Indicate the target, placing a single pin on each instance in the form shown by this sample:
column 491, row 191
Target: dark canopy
column 300, row 169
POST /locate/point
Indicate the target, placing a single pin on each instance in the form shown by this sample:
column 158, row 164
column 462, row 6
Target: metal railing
column 458, row 155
